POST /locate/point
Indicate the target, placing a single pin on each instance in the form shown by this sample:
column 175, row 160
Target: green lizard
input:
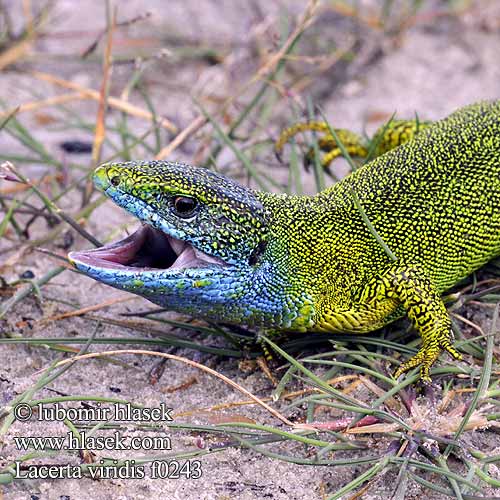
column 388, row 137
column 215, row 249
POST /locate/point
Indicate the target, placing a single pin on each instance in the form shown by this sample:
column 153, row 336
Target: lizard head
column 200, row 244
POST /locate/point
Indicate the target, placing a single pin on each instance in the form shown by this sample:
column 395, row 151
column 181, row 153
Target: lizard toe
column 413, row 362
column 448, row 347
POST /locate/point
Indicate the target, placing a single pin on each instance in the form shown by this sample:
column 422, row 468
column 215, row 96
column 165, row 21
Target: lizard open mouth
column 146, row 249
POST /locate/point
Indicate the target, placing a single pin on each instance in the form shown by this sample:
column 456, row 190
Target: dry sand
column 433, row 68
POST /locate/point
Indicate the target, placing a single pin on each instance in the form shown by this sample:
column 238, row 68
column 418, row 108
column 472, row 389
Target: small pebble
column 76, row 147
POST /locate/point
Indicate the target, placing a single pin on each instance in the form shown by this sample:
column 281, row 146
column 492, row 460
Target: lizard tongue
column 191, row 257
column 187, row 258
column 177, row 245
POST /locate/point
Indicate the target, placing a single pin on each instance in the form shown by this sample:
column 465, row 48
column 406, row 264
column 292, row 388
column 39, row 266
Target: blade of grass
column 238, row 153
column 189, row 362
column 348, row 403
column 24, row 292
column 8, row 217
column 339, row 143
column 305, row 461
column 354, row 195
column 372, row 229
column 100, row 126
column 358, row 481
column 164, row 340
column 319, row 171
column 378, row 139
column 51, row 206
column 43, row 103
column 267, row 71
column 113, row 102
column 439, row 471
column 8, row 115
column 484, row 381
column 434, row 487
column 48, row 375
column 23, row 135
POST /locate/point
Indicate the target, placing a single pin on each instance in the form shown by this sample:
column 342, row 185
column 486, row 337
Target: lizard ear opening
column 257, row 253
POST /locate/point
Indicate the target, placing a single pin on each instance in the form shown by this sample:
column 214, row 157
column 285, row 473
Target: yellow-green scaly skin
column 435, row 202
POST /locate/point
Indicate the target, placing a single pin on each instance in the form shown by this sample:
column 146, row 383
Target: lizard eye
column 184, row 206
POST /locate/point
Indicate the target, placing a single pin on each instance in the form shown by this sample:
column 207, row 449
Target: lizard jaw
column 147, row 249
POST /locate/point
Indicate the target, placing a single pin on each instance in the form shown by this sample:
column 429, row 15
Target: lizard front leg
column 411, row 287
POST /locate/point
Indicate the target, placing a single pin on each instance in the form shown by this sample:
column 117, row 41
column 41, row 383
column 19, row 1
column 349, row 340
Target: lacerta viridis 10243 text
column 215, row 249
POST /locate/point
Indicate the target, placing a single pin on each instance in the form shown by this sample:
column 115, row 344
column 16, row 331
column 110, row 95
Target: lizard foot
column 428, row 355
column 275, row 335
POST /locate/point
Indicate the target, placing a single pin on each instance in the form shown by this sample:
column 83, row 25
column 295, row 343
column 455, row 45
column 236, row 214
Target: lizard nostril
column 115, row 180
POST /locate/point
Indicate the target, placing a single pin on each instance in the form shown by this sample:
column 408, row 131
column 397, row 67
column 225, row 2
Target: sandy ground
column 433, row 68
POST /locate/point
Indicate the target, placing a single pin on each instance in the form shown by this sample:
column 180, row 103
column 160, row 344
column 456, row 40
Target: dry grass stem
column 113, row 102
column 186, row 361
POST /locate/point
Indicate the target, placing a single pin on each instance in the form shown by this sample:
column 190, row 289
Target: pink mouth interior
column 146, row 249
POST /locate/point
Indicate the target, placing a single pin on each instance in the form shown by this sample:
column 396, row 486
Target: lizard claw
column 427, row 356
column 424, row 359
